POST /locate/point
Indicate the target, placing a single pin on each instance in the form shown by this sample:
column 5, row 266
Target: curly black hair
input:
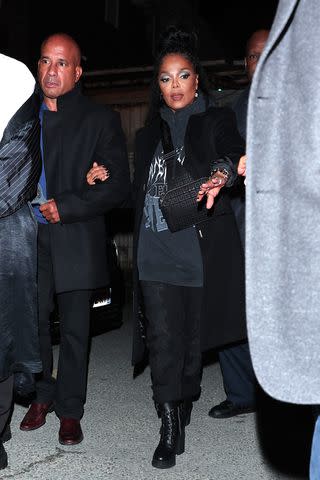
column 182, row 42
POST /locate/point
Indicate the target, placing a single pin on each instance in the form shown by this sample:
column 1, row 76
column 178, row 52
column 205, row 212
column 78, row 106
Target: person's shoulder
column 149, row 128
column 141, row 134
column 218, row 110
column 214, row 117
column 217, row 113
column 241, row 98
column 98, row 110
column 16, row 82
column 11, row 62
column 14, row 67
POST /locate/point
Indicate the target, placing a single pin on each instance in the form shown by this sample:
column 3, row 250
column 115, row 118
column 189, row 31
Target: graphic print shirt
column 173, row 258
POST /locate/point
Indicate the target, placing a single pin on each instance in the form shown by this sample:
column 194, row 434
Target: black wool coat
column 78, row 134
column 209, row 136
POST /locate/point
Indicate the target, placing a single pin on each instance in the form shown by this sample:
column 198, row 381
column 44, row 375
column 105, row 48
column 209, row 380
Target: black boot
column 6, row 434
column 158, row 408
column 186, row 408
column 3, row 457
column 172, row 436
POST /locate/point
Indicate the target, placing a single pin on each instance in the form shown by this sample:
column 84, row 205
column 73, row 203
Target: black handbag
column 179, row 205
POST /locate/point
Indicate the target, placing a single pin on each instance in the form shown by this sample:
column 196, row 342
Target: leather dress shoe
column 36, row 416
column 70, row 432
column 228, row 409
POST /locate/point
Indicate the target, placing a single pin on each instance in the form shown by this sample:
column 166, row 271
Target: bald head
column 255, row 46
column 68, row 41
column 59, row 67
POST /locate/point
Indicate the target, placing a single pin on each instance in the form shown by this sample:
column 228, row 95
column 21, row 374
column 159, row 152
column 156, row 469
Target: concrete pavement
column 121, row 431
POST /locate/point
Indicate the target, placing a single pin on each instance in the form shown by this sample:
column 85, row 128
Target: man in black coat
column 235, row 362
column 72, row 256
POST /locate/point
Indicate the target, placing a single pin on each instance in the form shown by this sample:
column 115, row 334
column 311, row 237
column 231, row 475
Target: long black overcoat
column 79, row 133
column 209, row 136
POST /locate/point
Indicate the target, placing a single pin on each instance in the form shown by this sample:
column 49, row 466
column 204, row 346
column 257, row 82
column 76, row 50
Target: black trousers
column 68, row 391
column 6, row 390
column 239, row 380
column 173, row 338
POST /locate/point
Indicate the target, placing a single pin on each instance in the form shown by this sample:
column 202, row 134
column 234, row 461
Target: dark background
column 123, row 33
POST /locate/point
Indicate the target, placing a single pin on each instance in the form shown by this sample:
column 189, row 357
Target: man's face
column 58, row 67
column 255, row 47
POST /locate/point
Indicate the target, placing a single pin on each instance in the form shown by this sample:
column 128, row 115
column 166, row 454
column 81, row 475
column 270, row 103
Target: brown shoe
column 70, row 432
column 36, row 416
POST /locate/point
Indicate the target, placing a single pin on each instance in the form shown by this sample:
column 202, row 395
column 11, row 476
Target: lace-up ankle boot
column 171, row 436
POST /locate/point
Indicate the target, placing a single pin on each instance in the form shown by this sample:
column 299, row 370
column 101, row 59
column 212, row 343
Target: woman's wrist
column 221, row 174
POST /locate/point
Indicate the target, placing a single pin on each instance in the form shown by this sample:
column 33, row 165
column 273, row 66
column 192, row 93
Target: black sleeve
column 94, row 200
column 137, row 173
column 228, row 143
column 20, row 164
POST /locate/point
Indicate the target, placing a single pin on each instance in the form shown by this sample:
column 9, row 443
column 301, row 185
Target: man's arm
column 93, row 200
column 20, row 165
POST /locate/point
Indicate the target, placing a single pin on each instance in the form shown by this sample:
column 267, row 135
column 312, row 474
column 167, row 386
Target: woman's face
column 178, row 81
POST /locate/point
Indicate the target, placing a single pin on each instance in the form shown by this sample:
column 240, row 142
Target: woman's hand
column 97, row 172
column 212, row 188
column 242, row 166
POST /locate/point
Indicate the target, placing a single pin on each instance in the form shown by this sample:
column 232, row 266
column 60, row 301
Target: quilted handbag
column 179, row 205
column 180, row 208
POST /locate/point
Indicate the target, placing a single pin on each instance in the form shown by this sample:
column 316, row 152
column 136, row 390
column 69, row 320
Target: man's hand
column 49, row 211
column 242, row 166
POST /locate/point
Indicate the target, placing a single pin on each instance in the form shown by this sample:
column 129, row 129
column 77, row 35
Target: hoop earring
column 196, row 94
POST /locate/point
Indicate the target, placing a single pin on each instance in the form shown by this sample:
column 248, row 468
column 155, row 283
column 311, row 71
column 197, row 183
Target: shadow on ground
column 285, row 434
column 284, row 430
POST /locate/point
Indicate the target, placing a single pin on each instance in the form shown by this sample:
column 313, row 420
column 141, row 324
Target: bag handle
column 168, row 147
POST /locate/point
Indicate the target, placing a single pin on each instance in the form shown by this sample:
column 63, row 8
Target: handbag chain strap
column 177, row 174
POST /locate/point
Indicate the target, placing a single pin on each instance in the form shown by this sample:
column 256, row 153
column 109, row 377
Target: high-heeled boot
column 3, row 457
column 172, row 436
column 158, row 408
column 185, row 409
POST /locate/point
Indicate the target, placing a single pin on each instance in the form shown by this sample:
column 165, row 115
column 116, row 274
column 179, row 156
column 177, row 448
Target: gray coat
column 283, row 207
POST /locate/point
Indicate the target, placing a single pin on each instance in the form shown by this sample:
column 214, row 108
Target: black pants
column 239, row 380
column 6, row 389
column 173, row 338
column 68, row 391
